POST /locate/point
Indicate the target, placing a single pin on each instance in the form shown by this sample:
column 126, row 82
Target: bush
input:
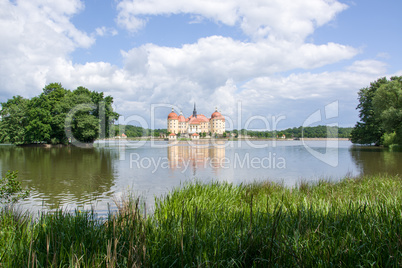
column 389, row 139
column 10, row 189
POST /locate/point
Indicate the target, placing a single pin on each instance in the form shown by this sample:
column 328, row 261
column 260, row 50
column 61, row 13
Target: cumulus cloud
column 37, row 36
column 294, row 96
column 212, row 60
column 368, row 66
column 277, row 19
column 258, row 74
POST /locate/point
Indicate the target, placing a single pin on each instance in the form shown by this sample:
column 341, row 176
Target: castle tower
column 173, row 122
column 195, row 112
column 217, row 124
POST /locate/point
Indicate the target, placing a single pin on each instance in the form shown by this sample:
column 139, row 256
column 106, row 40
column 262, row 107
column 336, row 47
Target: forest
column 57, row 116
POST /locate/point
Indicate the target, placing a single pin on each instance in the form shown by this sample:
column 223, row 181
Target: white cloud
column 104, row 31
column 213, row 60
column 36, row 37
column 309, row 86
column 297, row 95
column 214, row 71
column 294, row 96
column 383, row 55
column 278, row 19
column 374, row 67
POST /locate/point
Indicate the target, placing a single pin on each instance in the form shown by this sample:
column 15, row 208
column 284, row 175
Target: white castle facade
column 196, row 123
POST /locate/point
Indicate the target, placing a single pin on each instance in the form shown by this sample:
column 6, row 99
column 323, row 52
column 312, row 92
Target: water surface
column 71, row 177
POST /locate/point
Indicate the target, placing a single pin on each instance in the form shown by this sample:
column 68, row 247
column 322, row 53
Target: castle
column 196, row 123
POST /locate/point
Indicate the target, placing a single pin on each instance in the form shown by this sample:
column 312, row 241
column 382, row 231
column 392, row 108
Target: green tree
column 369, row 129
column 38, row 127
column 387, row 104
column 14, row 120
column 48, row 117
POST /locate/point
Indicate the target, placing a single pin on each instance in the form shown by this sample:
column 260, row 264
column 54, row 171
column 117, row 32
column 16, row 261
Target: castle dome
column 217, row 115
column 173, row 115
column 182, row 118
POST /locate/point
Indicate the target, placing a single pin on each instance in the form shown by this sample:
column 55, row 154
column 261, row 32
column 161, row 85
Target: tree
column 14, row 119
column 380, row 113
column 48, row 117
column 369, row 129
column 39, row 121
column 387, row 105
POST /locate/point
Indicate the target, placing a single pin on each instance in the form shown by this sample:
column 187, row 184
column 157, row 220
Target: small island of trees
column 56, row 116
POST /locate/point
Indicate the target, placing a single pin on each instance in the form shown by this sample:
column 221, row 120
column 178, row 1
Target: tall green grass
column 355, row 222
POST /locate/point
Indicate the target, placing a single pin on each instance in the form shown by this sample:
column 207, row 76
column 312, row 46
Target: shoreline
column 91, row 145
column 232, row 139
column 349, row 222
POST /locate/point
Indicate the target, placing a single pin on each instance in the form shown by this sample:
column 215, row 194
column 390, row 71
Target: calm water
column 76, row 177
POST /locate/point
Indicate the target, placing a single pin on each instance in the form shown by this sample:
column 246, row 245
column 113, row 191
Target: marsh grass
column 354, row 222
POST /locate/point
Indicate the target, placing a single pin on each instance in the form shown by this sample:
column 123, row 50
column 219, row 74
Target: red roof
column 173, row 115
column 200, row 119
column 172, row 134
column 182, row 118
column 217, row 115
column 195, row 134
column 194, row 121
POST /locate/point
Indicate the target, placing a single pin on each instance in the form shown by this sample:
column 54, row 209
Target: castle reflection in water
column 196, row 155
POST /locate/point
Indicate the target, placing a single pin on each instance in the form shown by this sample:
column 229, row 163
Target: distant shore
column 46, row 145
column 234, row 139
column 305, row 139
column 90, row 145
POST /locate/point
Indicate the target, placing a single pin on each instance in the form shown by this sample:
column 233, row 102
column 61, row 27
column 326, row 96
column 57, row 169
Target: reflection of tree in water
column 374, row 160
column 55, row 173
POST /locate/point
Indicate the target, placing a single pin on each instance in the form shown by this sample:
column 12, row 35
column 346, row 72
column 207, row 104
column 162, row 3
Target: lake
column 71, row 177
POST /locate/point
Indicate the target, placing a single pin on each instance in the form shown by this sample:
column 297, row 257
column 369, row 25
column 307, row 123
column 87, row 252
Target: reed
column 354, row 222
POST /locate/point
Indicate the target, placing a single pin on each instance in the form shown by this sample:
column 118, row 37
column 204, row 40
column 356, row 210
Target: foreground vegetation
column 355, row 222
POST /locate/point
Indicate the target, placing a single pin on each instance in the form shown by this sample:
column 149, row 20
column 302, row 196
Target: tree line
column 380, row 112
column 57, row 116
column 299, row 132
column 307, row 132
column 136, row 131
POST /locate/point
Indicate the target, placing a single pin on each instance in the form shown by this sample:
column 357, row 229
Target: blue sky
column 264, row 64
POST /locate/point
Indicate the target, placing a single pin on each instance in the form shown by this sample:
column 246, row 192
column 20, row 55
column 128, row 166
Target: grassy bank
column 350, row 223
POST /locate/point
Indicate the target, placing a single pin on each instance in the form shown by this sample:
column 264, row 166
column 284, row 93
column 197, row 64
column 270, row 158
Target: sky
column 265, row 64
